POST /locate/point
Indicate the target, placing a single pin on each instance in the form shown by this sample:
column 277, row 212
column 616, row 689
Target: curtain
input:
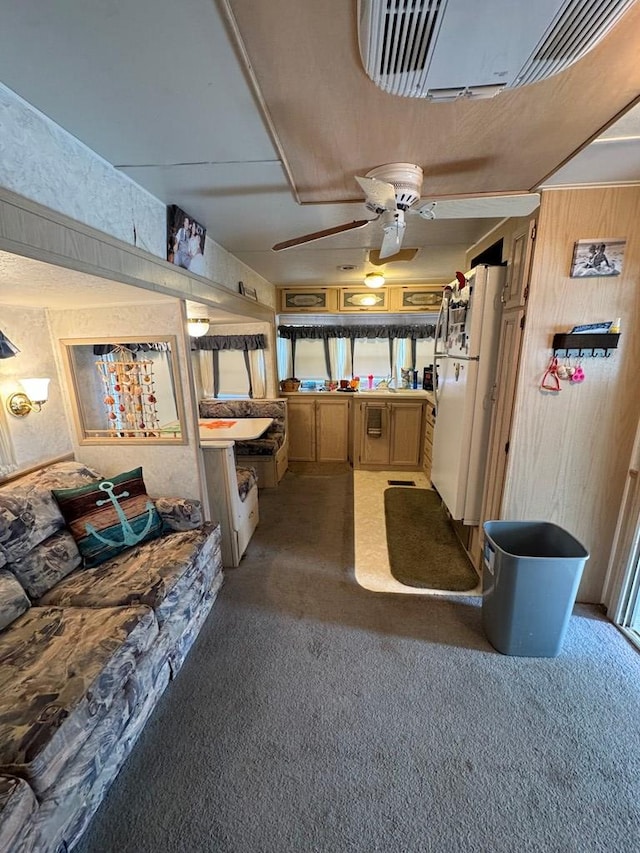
column 257, row 374
column 205, row 363
column 252, row 346
column 413, row 331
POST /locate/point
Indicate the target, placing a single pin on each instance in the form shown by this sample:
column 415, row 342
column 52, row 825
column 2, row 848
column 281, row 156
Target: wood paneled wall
column 570, row 451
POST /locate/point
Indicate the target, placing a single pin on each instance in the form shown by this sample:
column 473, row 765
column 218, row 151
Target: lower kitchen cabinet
column 388, row 434
column 318, row 429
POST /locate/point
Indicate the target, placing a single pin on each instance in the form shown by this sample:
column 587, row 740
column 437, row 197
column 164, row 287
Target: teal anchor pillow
column 109, row 516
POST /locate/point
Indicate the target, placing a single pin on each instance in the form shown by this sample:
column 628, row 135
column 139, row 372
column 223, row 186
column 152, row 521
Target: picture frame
column 185, row 240
column 249, row 292
column 595, row 257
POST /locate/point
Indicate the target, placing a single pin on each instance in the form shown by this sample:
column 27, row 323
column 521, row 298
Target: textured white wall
column 41, row 161
column 40, row 435
column 171, row 470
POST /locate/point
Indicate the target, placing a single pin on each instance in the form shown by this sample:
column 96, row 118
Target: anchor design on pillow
column 129, row 536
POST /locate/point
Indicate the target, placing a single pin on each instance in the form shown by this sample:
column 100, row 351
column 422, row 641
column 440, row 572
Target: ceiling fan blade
column 319, row 235
column 393, row 235
column 477, row 207
column 379, row 193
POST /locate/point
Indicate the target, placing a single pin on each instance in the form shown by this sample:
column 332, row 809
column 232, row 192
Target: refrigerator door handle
column 436, row 357
column 439, row 324
column 464, row 357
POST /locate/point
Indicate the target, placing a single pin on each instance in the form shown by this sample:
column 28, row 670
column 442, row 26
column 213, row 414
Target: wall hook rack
column 585, row 346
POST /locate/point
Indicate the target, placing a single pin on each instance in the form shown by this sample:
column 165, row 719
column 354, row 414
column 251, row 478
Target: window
column 234, row 381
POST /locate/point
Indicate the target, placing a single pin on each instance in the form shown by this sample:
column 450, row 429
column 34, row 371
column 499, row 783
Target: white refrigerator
column 466, row 348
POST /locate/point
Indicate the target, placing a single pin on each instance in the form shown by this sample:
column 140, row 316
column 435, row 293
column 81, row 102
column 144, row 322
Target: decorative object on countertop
column 290, row 384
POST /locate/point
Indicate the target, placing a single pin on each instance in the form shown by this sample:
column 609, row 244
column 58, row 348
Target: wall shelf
column 585, row 345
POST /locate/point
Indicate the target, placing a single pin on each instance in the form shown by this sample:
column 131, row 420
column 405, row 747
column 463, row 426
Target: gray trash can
column 530, row 578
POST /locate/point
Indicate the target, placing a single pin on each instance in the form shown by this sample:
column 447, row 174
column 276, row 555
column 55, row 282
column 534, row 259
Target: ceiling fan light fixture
column 374, row 279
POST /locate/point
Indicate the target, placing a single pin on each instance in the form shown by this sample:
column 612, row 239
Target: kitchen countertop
column 400, row 393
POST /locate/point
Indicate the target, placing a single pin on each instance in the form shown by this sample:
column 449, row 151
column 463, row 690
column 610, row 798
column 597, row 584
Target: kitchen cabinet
column 315, row 300
column 415, row 298
column 318, row 428
column 389, row 434
column 429, row 424
column 519, row 268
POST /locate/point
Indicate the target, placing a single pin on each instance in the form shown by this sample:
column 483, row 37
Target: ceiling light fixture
column 197, row 326
column 374, row 279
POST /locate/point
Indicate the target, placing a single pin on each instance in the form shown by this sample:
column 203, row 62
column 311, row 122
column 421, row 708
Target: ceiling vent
column 444, row 49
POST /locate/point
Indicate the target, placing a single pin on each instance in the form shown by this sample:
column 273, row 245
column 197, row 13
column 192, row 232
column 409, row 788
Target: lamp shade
column 37, row 390
column 7, row 349
column 197, row 326
column 374, row 279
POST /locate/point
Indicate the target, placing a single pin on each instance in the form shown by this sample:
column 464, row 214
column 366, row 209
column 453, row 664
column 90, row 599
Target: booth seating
column 269, row 454
column 233, row 499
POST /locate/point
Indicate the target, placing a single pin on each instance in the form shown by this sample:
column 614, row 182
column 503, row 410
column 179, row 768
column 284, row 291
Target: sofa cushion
column 109, row 516
column 46, row 564
column 179, row 513
column 13, row 599
column 28, row 512
column 17, row 805
column 60, row 670
column 150, row 574
column 247, row 478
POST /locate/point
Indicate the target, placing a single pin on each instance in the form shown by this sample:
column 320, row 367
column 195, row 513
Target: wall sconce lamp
column 36, row 394
column 197, row 326
column 374, row 279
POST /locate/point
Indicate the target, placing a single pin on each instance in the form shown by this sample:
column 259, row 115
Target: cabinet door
column 332, row 430
column 302, row 429
column 374, row 436
column 406, row 434
column 515, row 289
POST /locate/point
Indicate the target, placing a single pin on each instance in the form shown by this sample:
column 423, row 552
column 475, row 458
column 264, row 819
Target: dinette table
column 232, row 429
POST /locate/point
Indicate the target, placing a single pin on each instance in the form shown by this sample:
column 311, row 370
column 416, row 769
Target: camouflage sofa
column 85, row 653
column 269, row 454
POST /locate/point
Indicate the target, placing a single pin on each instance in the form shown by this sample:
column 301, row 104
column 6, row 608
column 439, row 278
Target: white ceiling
column 161, row 91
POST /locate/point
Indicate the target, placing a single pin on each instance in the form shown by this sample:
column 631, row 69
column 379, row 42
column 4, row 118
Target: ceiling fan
column 393, row 190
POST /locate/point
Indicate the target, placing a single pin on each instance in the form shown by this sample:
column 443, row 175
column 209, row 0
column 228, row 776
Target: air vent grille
column 447, row 49
column 401, row 43
column 577, row 28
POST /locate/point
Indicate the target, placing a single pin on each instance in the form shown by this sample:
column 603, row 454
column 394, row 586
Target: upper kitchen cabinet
column 415, row 298
column 363, row 299
column 519, row 267
column 311, row 300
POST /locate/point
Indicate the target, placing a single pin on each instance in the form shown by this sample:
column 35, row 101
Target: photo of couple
column 185, row 240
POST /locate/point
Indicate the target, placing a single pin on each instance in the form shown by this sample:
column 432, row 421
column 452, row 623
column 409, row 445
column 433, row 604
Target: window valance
column 223, row 342
column 414, row 331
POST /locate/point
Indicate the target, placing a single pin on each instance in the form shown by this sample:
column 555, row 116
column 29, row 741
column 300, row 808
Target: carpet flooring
column 313, row 716
column 423, row 548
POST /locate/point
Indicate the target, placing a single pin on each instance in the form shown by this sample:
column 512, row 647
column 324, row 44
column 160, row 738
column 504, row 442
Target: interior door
column 502, row 411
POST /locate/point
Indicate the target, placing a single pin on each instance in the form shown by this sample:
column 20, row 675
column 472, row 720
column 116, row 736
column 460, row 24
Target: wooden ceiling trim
column 332, row 122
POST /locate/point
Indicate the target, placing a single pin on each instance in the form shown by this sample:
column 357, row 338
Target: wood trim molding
column 34, row 231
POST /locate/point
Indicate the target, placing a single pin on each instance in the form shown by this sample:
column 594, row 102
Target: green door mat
column 423, row 549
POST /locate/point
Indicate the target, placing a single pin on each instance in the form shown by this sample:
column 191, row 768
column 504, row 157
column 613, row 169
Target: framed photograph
column 185, row 240
column 247, row 291
column 597, row 257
